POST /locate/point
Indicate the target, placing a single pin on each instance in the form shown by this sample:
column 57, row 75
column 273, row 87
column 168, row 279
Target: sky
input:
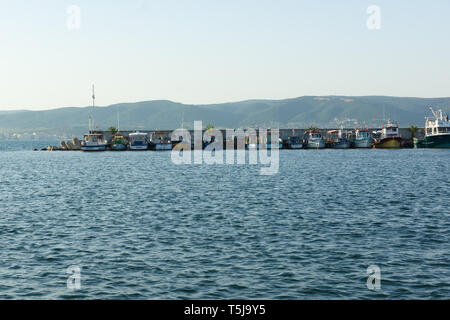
column 210, row 51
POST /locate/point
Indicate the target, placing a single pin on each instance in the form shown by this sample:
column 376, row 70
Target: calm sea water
column 140, row 227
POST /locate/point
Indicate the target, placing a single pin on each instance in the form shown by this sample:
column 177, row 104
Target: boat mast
column 118, row 120
column 93, row 106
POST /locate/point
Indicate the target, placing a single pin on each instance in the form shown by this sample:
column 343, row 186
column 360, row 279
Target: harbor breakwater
column 284, row 134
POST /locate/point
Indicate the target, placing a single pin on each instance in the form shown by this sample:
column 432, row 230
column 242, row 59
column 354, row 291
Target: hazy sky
column 210, row 51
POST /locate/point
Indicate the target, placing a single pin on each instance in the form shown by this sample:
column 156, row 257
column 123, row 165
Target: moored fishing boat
column 295, row 142
column 313, row 140
column 363, row 139
column 437, row 131
column 164, row 145
column 118, row 143
column 337, row 139
column 160, row 144
column 138, row 141
column 389, row 137
column 94, row 140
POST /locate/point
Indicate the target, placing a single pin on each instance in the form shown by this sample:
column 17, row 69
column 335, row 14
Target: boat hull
column 162, row 147
column 339, row 145
column 363, row 143
column 94, row 148
column 296, row 146
column 315, row 144
column 138, row 147
column 389, row 143
column 118, row 147
column 437, row 141
column 269, row 146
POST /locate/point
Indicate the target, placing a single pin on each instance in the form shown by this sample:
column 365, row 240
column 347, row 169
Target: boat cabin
column 94, row 138
column 390, row 130
column 362, row 134
column 437, row 126
column 118, row 138
column 336, row 135
column 138, row 138
column 313, row 135
column 295, row 139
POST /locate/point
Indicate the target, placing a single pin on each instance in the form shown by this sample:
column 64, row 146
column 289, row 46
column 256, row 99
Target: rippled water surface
column 140, row 227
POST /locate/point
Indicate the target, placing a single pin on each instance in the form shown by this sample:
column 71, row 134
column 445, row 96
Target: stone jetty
column 74, row 145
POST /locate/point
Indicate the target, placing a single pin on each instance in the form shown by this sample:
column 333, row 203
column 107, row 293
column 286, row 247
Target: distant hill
column 11, row 111
column 326, row 111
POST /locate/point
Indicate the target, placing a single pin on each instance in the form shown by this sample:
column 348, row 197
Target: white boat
column 94, row 140
column 363, row 139
column 160, row 144
column 138, row 141
column 313, row 140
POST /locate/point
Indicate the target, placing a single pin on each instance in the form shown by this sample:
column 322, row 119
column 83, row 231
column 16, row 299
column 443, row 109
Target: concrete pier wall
column 284, row 133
